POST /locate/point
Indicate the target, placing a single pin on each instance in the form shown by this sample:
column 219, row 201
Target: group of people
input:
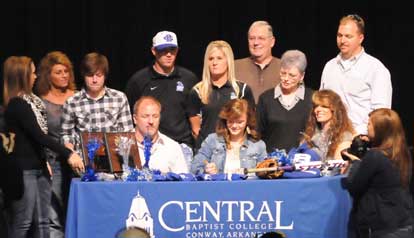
column 238, row 112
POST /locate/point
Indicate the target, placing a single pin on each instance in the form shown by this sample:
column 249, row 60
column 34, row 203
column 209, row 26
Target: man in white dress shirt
column 166, row 154
column 362, row 81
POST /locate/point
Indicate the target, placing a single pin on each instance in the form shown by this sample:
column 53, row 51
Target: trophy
column 123, row 147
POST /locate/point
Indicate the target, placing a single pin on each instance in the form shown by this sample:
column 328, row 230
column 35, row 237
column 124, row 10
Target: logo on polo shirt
column 153, row 88
column 233, row 95
column 180, row 86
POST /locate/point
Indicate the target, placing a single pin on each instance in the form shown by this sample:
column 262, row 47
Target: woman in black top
column 217, row 87
column 282, row 111
column 379, row 181
column 25, row 117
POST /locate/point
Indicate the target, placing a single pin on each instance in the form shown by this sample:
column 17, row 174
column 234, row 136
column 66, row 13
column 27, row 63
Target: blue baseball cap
column 164, row 39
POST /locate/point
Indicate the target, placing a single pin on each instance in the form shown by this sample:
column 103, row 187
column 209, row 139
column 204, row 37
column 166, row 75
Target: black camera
column 358, row 147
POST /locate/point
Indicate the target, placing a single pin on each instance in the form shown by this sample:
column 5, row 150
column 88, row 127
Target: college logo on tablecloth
column 139, row 215
column 224, row 219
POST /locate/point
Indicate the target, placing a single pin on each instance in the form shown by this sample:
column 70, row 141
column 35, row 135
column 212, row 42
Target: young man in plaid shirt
column 95, row 108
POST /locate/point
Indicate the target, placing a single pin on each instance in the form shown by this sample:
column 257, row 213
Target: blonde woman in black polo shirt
column 218, row 86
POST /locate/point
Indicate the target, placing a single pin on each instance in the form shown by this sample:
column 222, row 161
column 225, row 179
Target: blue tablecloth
column 300, row 208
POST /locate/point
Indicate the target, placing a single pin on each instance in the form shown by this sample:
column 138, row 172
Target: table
column 300, row 208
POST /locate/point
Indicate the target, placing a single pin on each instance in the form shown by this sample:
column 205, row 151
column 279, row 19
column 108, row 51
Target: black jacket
column 380, row 201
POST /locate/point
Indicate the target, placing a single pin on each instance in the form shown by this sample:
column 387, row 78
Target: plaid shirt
column 109, row 113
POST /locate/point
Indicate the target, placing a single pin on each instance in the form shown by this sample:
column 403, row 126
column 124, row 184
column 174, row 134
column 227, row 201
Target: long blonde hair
column 204, row 88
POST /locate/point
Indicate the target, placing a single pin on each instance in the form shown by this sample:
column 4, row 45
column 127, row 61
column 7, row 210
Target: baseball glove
column 268, row 163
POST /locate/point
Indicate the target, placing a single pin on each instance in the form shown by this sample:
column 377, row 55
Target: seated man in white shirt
column 166, row 154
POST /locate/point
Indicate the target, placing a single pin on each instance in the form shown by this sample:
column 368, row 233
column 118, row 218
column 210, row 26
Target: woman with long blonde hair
column 218, row 86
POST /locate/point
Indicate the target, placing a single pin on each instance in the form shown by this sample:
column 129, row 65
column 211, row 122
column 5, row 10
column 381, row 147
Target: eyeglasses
column 285, row 75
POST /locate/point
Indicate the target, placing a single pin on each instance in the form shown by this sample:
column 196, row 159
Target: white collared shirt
column 166, row 155
column 362, row 82
column 299, row 95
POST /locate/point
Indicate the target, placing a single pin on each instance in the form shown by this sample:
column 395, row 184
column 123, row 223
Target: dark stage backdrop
column 123, row 30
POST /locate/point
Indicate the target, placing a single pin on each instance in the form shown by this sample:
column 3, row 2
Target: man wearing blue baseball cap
column 168, row 83
column 165, row 39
